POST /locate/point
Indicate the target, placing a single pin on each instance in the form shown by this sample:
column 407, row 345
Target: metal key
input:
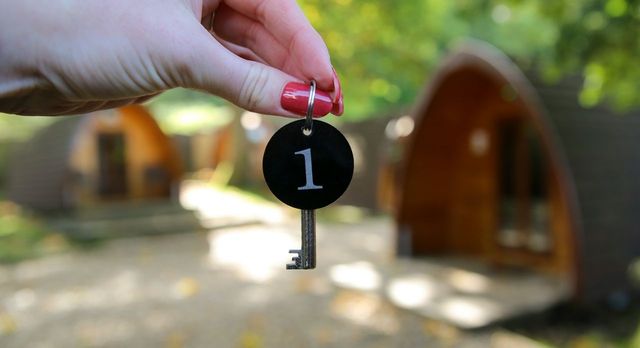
column 306, row 255
column 300, row 141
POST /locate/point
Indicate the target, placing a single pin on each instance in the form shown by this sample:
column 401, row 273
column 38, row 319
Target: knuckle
column 261, row 10
column 254, row 86
column 182, row 70
column 251, row 36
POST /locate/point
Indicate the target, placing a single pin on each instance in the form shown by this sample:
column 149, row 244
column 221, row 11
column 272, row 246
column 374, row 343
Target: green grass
column 635, row 340
column 22, row 236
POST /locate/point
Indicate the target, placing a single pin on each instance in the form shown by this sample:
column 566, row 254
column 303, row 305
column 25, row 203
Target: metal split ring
column 308, row 125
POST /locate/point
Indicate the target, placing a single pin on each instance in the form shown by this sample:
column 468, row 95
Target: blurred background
column 495, row 198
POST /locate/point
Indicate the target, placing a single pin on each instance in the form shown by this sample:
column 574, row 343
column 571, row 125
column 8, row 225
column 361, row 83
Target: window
column 523, row 183
column 112, row 165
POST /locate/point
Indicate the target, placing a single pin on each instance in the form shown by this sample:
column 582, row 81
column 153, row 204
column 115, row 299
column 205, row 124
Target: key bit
column 297, row 261
column 306, row 255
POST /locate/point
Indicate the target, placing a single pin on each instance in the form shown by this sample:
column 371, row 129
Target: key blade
column 308, row 220
column 306, row 255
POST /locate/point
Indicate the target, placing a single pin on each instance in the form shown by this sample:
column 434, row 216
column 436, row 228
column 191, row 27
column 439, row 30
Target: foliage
column 601, row 37
column 635, row 340
column 22, row 237
column 385, row 50
column 182, row 111
column 14, row 128
column 6, row 148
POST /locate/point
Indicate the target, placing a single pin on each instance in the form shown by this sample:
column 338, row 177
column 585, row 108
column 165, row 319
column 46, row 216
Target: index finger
column 288, row 24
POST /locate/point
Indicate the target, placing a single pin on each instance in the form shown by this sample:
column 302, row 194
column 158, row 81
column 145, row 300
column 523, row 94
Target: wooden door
column 112, row 166
column 523, row 205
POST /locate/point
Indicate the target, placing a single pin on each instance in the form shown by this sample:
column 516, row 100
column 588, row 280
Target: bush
column 22, row 236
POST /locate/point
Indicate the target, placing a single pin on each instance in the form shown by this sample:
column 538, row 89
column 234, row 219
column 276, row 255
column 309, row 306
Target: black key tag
column 308, row 167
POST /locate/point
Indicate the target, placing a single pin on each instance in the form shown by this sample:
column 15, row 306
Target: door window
column 112, row 165
column 523, row 184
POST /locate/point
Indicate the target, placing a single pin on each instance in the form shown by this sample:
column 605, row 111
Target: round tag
column 308, row 171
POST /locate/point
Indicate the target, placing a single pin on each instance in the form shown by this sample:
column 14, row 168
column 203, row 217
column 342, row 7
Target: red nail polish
column 295, row 97
column 338, row 104
column 338, row 107
column 337, row 88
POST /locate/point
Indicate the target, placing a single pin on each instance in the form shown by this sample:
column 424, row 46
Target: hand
column 74, row 56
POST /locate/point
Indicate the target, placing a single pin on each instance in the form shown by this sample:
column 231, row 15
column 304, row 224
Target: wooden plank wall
column 450, row 195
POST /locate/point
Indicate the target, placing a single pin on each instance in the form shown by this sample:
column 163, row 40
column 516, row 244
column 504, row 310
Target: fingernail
column 295, row 98
column 337, row 88
column 338, row 107
column 338, row 104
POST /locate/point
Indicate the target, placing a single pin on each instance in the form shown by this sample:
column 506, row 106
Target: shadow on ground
column 225, row 287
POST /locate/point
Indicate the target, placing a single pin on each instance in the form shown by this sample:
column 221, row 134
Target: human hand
column 74, row 56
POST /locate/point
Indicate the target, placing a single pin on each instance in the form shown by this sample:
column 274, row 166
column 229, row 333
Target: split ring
column 308, row 125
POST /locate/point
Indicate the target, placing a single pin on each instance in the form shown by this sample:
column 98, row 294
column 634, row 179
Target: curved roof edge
column 38, row 167
column 488, row 58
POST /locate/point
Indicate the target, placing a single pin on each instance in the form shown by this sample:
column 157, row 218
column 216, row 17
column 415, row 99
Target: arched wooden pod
column 107, row 155
column 485, row 175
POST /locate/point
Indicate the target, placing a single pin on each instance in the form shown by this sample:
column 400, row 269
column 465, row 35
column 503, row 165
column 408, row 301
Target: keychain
column 307, row 165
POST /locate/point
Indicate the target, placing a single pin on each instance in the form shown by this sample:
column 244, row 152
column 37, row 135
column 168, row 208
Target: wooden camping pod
column 508, row 170
column 107, row 155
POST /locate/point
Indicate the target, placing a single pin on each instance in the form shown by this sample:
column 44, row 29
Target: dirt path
column 199, row 290
column 224, row 288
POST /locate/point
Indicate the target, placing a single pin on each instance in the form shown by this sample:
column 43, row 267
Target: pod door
column 524, row 183
column 112, row 165
column 482, row 183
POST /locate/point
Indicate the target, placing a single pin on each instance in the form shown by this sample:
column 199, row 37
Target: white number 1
column 308, row 169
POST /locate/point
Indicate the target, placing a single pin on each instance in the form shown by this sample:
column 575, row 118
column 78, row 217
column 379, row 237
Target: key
column 307, row 165
column 306, row 258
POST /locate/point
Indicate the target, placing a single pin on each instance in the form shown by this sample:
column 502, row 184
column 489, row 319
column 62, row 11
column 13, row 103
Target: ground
column 168, row 291
column 225, row 286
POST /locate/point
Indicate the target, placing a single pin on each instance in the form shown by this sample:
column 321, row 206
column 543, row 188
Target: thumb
column 250, row 85
column 253, row 86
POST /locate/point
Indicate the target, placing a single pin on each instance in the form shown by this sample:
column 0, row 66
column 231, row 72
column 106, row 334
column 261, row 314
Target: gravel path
column 226, row 288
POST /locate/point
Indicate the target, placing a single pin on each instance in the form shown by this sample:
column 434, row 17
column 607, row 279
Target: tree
column 384, row 50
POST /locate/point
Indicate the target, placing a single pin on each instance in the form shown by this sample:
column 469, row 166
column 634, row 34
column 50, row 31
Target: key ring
column 308, row 125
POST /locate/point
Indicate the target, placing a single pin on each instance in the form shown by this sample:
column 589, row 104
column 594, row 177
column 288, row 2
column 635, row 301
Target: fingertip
column 336, row 93
column 338, row 107
column 295, row 98
column 314, row 60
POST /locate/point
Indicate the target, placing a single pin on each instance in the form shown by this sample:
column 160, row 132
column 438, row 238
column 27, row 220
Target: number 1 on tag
column 308, row 170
